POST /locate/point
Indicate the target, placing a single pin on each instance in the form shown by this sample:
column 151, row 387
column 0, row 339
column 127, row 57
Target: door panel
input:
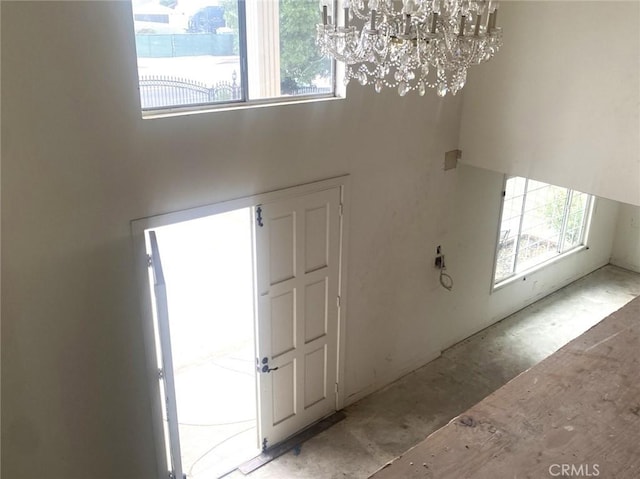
column 297, row 262
column 284, row 380
column 283, row 327
column 315, row 310
column 282, row 231
column 316, row 238
column 315, row 376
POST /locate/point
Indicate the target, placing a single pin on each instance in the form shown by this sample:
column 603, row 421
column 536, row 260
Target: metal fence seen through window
column 158, row 91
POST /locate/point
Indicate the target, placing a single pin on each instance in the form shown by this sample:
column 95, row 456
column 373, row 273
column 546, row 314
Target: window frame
column 521, row 275
column 244, row 102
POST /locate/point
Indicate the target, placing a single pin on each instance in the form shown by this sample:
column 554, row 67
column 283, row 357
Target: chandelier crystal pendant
column 410, row 45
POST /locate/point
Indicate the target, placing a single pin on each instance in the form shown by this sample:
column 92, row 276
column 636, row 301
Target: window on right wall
column 539, row 223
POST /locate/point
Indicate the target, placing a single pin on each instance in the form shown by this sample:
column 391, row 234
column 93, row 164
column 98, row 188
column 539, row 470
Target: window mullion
column 585, row 218
column 242, row 41
column 565, row 220
column 517, row 246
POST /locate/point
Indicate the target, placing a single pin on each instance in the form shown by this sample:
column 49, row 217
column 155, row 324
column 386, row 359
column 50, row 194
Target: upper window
column 539, row 222
column 205, row 52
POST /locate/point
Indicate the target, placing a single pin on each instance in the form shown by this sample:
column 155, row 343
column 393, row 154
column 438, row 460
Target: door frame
column 141, row 225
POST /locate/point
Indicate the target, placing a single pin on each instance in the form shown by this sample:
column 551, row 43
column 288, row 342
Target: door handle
column 265, row 366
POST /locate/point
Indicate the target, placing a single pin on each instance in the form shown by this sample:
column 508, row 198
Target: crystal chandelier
column 410, row 45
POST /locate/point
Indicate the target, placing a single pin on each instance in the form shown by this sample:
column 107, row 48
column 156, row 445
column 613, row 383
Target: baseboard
column 625, row 265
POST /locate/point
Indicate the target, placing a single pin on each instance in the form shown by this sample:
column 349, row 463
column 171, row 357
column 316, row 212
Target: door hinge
column 149, row 261
column 172, row 475
column 259, row 216
column 338, row 301
column 336, row 388
column 341, row 209
column 160, row 374
column 264, row 444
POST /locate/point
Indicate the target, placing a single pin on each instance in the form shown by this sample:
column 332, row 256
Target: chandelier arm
column 387, row 47
column 357, row 13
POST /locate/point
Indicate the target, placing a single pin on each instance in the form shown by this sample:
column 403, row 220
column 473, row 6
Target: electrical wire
column 210, row 450
column 217, row 424
column 232, row 369
column 446, row 281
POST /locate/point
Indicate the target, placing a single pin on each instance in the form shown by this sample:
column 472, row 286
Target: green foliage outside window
column 555, row 211
column 300, row 60
column 231, row 21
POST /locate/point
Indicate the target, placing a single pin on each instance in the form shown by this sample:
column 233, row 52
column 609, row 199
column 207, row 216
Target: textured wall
column 626, row 248
column 561, row 103
column 78, row 163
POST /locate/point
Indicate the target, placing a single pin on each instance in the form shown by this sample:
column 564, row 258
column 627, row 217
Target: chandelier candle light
column 413, row 45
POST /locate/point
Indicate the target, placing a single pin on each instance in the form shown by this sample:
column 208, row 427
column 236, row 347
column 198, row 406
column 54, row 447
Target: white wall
column 469, row 226
column 78, row 163
column 560, row 103
column 626, row 248
column 470, row 253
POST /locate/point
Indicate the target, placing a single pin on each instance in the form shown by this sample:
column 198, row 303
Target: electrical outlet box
column 451, row 159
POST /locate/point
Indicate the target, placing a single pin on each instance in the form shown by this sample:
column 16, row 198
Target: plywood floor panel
column 580, row 408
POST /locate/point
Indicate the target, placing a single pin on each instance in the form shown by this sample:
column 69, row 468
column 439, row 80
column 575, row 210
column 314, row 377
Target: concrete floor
column 391, row 421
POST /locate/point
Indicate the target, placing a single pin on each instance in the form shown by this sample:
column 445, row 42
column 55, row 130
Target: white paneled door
column 297, row 253
column 297, row 244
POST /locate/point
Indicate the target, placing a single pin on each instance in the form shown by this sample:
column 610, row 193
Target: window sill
column 522, row 276
column 225, row 107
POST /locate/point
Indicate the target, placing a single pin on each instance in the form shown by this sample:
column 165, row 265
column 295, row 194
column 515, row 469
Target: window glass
column 203, row 52
column 539, row 222
column 511, row 214
column 576, row 219
column 303, row 70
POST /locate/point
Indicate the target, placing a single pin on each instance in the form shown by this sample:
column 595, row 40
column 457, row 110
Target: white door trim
column 138, row 228
column 162, row 312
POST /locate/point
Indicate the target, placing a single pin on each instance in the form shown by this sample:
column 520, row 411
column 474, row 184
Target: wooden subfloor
column 575, row 414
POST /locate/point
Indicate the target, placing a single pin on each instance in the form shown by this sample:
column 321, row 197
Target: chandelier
column 413, row 45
